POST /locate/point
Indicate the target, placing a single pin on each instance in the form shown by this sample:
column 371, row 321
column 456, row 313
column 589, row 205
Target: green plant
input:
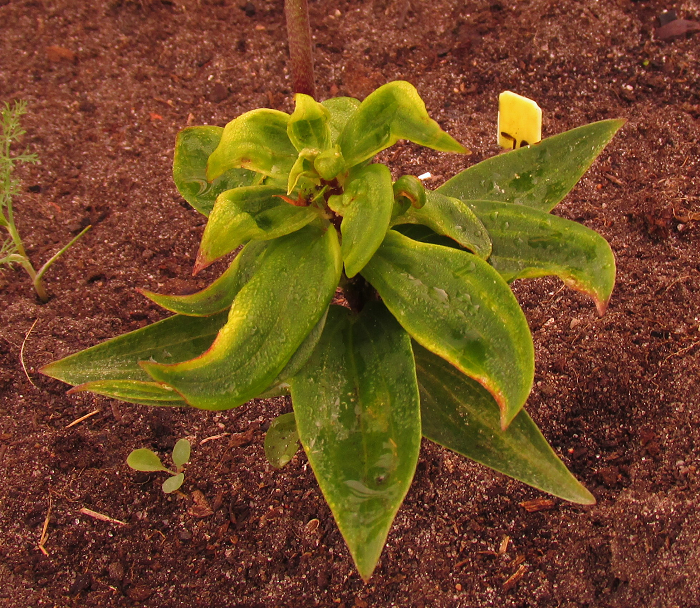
column 12, row 249
column 433, row 342
column 147, row 461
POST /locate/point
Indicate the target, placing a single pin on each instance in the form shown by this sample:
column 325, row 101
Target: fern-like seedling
column 12, row 249
column 147, row 461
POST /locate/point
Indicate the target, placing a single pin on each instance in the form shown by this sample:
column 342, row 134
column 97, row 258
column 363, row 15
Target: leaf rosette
column 430, row 341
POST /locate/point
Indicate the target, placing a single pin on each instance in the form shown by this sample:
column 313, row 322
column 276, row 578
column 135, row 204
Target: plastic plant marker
column 457, row 306
column 269, row 320
column 173, row 483
column 519, row 121
column 281, row 440
column 461, row 415
column 145, row 460
column 181, row 452
column 358, row 416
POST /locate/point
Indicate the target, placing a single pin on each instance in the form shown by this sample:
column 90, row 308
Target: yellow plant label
column 519, row 121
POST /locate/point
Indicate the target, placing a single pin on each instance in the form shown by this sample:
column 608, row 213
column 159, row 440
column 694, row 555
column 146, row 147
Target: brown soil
column 617, row 396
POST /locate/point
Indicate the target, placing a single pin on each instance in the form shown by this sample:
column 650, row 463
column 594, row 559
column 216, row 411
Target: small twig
column 672, row 283
column 79, row 420
column 682, row 351
column 101, row 517
column 538, row 504
column 511, row 581
column 21, row 354
column 611, row 178
column 45, row 531
column 213, row 437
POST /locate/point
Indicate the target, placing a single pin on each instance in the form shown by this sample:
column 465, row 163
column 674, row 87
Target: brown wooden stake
column 300, row 50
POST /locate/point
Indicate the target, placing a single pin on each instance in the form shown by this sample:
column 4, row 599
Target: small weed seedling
column 147, row 460
column 12, row 249
column 429, row 339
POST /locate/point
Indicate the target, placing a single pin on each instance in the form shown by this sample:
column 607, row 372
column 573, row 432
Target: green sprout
column 382, row 308
column 147, row 460
column 12, row 249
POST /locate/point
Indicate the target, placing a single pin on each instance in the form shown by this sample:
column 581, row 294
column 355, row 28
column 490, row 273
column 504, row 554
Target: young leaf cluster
column 433, row 343
column 12, row 249
column 147, row 460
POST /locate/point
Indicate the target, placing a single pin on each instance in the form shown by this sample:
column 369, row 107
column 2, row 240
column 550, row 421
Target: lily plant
column 382, row 308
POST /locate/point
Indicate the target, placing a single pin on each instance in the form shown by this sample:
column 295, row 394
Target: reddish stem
column 300, row 50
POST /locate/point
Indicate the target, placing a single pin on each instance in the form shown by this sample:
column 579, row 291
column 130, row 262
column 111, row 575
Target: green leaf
column 329, row 163
column 192, row 149
column 538, row 176
column 457, row 306
column 341, row 109
column 281, row 440
column 175, row 339
column 270, row 318
column 280, row 385
column 452, row 218
column 303, row 169
column 459, row 414
column 181, row 452
column 528, row 243
column 366, row 208
column 392, row 112
column 301, row 356
column 409, row 187
column 309, row 124
column 173, row 483
column 358, row 416
column 220, row 294
column 246, row 214
column 256, row 140
column 423, row 234
column 145, row 460
column 133, row 391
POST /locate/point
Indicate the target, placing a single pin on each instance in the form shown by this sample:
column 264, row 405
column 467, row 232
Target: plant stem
column 358, row 292
column 38, row 284
column 300, row 50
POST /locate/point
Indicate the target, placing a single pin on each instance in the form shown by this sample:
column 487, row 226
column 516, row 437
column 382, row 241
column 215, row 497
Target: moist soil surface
column 109, row 84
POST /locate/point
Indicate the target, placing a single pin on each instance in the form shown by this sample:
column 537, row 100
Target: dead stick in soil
column 213, row 437
column 101, row 516
column 21, row 354
column 45, row 530
column 682, row 351
column 512, row 580
column 79, row 420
